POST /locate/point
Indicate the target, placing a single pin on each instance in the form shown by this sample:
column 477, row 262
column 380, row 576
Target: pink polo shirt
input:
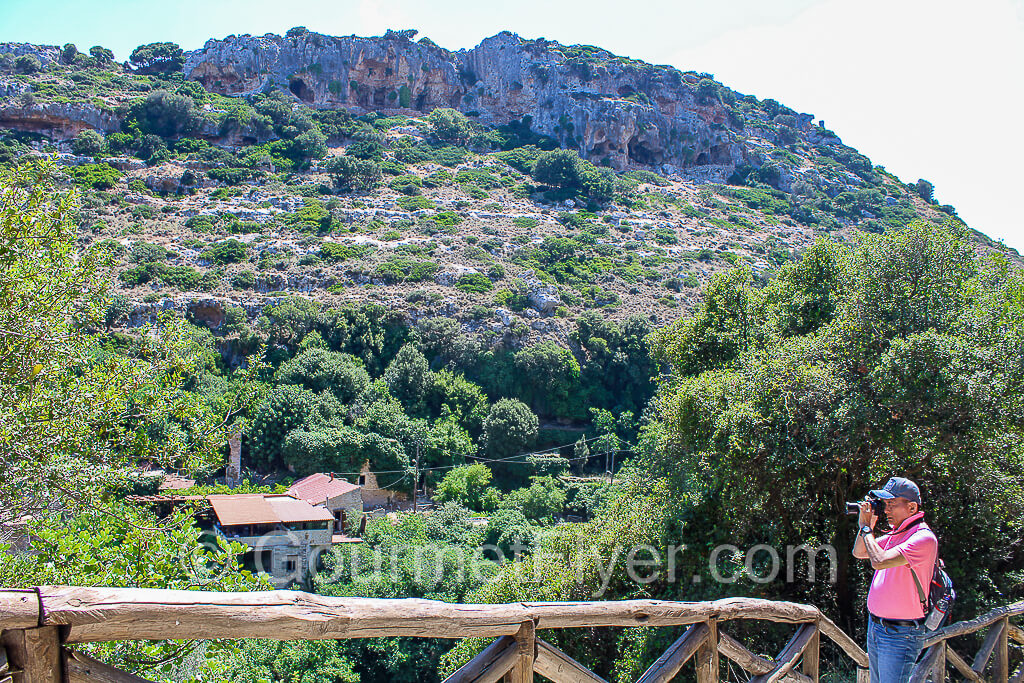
column 893, row 593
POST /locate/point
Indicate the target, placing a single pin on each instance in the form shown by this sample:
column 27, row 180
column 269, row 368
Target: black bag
column 938, row 602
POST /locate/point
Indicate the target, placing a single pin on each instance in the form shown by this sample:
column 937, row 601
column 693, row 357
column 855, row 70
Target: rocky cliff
column 608, row 108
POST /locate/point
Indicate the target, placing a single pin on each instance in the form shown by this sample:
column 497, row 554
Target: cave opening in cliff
column 298, row 87
column 703, row 159
column 642, row 154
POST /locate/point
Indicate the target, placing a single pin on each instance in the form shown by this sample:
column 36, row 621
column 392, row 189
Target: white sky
column 927, row 89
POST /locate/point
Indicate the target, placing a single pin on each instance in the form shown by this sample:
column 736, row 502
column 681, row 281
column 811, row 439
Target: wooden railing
column 37, row 626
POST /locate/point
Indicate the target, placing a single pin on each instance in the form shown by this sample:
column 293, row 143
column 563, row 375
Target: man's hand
column 867, row 515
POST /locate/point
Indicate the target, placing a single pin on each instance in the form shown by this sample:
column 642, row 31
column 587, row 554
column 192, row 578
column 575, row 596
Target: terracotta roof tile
column 318, row 488
column 243, row 509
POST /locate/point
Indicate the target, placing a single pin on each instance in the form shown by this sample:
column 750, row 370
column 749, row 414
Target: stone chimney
column 233, row 473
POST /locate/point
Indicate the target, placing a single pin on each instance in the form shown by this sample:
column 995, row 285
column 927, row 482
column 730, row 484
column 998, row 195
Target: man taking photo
column 895, row 614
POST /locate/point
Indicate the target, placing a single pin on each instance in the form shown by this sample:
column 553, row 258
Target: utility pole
column 611, row 472
column 416, row 481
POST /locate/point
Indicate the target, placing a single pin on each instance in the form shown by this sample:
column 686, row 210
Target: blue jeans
column 892, row 651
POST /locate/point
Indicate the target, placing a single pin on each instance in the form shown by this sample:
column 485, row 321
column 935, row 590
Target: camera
column 877, row 506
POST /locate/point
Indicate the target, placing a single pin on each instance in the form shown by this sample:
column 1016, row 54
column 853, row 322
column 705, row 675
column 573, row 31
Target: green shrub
column 665, row 236
column 446, row 219
column 231, row 176
column 184, row 278
column 438, row 179
column 481, row 177
column 415, row 203
column 523, row 159
column 333, row 252
column 450, row 125
column 95, row 176
column 228, row 251
column 406, row 184
column 245, row 279
column 147, row 252
column 405, row 269
column 525, row 222
column 474, row 283
column 312, row 217
column 27, row 64
column 474, row 191
column 88, row 143
column 647, row 177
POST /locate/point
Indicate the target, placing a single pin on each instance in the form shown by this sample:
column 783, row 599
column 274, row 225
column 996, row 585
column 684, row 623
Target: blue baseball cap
column 899, row 487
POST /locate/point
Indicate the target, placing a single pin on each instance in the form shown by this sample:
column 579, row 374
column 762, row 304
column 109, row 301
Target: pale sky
column 927, row 88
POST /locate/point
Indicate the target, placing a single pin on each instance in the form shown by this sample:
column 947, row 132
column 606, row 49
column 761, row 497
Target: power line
column 510, row 460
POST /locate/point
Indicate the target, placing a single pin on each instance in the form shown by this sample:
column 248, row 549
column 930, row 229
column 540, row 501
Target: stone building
column 343, row 499
column 285, row 535
column 373, row 495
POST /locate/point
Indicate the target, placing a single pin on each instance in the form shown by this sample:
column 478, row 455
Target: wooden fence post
column 939, row 672
column 707, row 655
column 34, row 655
column 810, row 665
column 1001, row 665
column 526, row 640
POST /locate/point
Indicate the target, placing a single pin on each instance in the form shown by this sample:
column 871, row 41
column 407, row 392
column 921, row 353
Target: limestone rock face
column 46, row 54
column 622, row 112
column 543, row 297
column 59, row 120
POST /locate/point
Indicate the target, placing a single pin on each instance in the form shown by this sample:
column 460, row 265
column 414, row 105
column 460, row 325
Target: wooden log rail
column 38, row 625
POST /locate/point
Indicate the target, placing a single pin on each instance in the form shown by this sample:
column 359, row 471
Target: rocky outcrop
column 60, row 121
column 609, row 109
column 543, row 297
column 46, row 54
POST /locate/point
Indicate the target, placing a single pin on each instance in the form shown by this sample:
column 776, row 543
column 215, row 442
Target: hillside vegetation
column 716, row 337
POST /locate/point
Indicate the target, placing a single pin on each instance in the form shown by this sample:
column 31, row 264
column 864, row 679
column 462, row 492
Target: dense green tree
column 925, row 190
column 864, row 366
column 166, row 114
column 408, row 377
column 101, row 54
column 564, row 168
column 542, row 501
column 321, row 370
column 76, row 407
column 548, row 379
column 88, row 143
column 452, row 394
column 509, row 428
column 27, row 64
column 446, row 443
column 157, row 58
column 68, row 53
column 287, row 407
column 558, row 167
column 510, row 532
column 469, row 486
column 450, row 125
column 330, row 449
column 351, row 173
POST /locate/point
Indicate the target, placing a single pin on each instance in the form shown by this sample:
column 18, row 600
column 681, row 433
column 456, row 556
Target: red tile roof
column 265, row 509
column 291, row 510
column 243, row 509
column 318, row 488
